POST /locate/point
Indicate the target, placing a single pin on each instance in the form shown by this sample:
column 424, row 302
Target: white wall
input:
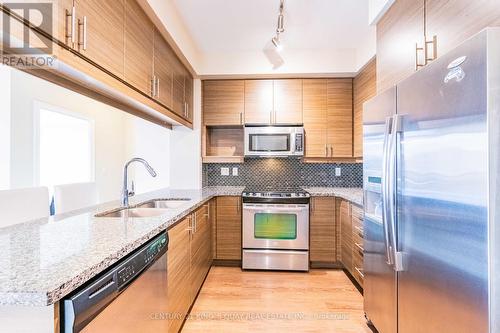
column 151, row 142
column 118, row 137
column 185, row 149
column 4, row 127
column 377, row 9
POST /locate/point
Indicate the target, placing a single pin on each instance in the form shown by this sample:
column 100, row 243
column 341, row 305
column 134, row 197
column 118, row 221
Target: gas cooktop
column 274, row 195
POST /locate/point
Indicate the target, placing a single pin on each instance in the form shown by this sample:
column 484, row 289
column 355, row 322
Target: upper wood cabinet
column 188, row 95
column 223, row 102
column 273, row 102
column 328, row 112
column 288, row 102
column 340, row 117
column 364, row 88
column 259, row 103
column 139, row 47
column 100, row 33
column 315, row 117
column 163, row 70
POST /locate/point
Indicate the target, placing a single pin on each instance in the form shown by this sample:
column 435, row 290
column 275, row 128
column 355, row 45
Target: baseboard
column 226, row 263
column 328, row 265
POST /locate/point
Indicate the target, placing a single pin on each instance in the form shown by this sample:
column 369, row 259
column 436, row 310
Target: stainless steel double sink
column 150, row 208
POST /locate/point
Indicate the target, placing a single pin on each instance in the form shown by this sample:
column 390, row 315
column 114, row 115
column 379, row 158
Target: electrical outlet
column 338, row 172
column 235, row 171
column 224, row 171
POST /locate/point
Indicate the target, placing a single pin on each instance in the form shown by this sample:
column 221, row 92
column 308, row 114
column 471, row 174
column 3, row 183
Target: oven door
column 276, row 226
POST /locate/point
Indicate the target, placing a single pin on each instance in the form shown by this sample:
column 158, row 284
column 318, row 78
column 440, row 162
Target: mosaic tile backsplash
column 281, row 173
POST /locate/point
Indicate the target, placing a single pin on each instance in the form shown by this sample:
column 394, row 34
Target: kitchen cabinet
column 346, row 234
column 358, row 243
column 139, row 48
column 189, row 260
column 188, row 95
column 273, row 102
column 229, row 228
column 364, row 88
column 328, row 118
column 223, row 102
column 212, row 217
column 315, row 117
column 163, row 70
column 405, row 23
column 287, row 102
column 100, row 33
column 201, row 248
column 178, row 264
column 259, row 102
column 323, row 246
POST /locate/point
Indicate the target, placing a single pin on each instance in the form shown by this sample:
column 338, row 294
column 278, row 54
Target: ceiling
column 230, row 35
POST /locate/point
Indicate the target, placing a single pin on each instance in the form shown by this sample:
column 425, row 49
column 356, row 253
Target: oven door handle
column 280, row 209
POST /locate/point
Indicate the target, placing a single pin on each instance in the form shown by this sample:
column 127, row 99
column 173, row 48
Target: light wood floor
column 232, row 300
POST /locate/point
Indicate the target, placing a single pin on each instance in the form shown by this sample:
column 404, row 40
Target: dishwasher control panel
column 142, row 259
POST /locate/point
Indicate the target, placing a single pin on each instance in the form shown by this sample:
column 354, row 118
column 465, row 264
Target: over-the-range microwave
column 274, row 141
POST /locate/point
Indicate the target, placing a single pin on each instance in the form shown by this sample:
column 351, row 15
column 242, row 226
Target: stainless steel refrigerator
column 431, row 188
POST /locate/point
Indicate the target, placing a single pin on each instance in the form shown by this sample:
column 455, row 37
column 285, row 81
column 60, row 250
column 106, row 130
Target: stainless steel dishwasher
column 129, row 297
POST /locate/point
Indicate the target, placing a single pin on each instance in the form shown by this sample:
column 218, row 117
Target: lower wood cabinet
column 323, row 243
column 179, row 257
column 228, row 228
column 189, row 260
column 351, row 238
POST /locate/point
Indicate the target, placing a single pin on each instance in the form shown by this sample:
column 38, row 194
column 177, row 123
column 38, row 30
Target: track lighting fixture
column 280, row 28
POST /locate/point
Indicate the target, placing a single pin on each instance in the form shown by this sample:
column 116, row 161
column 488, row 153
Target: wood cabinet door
column 200, row 249
column 223, row 102
column 139, row 48
column 179, row 105
column 163, row 70
column 188, row 95
column 455, row 21
column 100, row 33
column 212, row 217
column 229, row 228
column 397, row 33
column 315, row 117
column 288, row 102
column 340, row 112
column 364, row 88
column 323, row 230
column 259, row 104
column 346, row 235
column 179, row 297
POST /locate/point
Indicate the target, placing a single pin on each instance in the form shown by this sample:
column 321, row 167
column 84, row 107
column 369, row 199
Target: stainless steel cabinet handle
column 331, row 150
column 271, row 116
column 158, row 87
column 241, row 118
column 153, row 86
column 84, row 27
column 326, row 150
column 72, row 14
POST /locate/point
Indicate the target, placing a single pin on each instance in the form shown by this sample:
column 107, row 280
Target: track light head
column 276, row 42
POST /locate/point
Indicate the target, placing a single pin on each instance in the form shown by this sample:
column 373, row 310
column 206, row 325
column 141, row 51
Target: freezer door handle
column 385, row 189
column 397, row 257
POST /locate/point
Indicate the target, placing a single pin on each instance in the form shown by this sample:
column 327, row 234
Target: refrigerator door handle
column 385, row 189
column 396, row 255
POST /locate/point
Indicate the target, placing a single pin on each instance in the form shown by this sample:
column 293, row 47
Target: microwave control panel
column 299, row 140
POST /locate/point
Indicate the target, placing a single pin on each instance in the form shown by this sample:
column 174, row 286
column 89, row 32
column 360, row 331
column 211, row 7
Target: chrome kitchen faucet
column 125, row 192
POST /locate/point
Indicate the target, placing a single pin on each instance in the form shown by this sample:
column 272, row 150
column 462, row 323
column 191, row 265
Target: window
column 65, row 147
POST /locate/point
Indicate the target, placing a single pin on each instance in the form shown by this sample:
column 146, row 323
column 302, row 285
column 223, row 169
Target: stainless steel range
column 276, row 230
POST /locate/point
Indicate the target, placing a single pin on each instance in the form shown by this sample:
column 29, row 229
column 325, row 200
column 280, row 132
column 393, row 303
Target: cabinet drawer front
column 357, row 234
column 357, row 252
column 357, row 212
column 357, row 272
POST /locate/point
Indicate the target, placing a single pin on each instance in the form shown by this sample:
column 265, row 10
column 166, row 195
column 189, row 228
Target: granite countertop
column 44, row 260
column 352, row 194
